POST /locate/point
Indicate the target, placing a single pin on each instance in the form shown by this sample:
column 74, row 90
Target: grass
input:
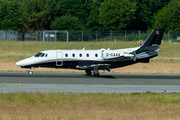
column 34, row 47
column 108, row 106
column 14, row 51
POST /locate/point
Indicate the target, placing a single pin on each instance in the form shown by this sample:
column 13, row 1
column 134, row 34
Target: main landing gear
column 95, row 72
column 31, row 71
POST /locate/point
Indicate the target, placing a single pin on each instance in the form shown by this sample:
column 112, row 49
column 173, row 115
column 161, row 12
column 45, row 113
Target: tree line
column 90, row 15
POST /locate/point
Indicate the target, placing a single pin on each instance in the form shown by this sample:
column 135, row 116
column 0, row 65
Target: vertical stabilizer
column 151, row 46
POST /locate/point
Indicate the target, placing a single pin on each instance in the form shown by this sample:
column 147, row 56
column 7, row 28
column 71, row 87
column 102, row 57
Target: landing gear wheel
column 30, row 72
column 88, row 72
column 96, row 75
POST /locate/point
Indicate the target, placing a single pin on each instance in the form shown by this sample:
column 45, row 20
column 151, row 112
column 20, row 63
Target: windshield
column 38, row 55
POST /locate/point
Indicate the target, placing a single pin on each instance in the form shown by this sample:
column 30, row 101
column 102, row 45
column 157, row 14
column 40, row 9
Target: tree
column 144, row 13
column 78, row 8
column 11, row 15
column 52, row 10
column 41, row 13
column 116, row 14
column 92, row 23
column 35, row 14
column 66, row 22
column 168, row 17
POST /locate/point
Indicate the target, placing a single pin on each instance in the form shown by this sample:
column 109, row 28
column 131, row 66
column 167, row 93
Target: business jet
column 94, row 60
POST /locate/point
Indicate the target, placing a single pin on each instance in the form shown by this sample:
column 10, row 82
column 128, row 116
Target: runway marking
column 16, row 85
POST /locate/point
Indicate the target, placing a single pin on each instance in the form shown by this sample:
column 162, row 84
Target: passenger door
column 59, row 58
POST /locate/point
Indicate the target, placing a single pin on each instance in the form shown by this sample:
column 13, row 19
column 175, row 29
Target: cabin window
column 73, row 55
column 80, row 55
column 66, row 55
column 38, row 54
column 96, row 55
column 87, row 55
column 46, row 55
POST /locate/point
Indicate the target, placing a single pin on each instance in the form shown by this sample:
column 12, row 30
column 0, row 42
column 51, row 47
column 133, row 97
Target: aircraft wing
column 93, row 66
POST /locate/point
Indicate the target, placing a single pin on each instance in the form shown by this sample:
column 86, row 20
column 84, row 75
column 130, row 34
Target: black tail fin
column 154, row 38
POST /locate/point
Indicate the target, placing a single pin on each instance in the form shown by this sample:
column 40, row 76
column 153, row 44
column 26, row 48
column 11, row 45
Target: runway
column 79, row 82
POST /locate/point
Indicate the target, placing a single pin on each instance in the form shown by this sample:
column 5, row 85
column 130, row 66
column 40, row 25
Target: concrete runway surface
column 79, row 82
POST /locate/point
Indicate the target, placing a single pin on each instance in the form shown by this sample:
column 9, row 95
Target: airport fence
column 79, row 36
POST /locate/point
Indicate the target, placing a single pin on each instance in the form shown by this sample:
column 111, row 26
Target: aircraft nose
column 21, row 63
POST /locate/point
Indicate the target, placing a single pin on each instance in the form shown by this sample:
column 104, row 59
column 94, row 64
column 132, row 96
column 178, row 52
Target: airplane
column 94, row 60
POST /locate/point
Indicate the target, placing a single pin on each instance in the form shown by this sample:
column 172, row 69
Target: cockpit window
column 38, row 55
column 42, row 55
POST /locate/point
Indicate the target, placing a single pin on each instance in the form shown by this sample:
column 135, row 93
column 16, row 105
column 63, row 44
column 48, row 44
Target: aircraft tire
column 88, row 72
column 30, row 72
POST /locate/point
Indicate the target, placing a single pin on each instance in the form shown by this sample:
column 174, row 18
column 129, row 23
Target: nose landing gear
column 31, row 71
